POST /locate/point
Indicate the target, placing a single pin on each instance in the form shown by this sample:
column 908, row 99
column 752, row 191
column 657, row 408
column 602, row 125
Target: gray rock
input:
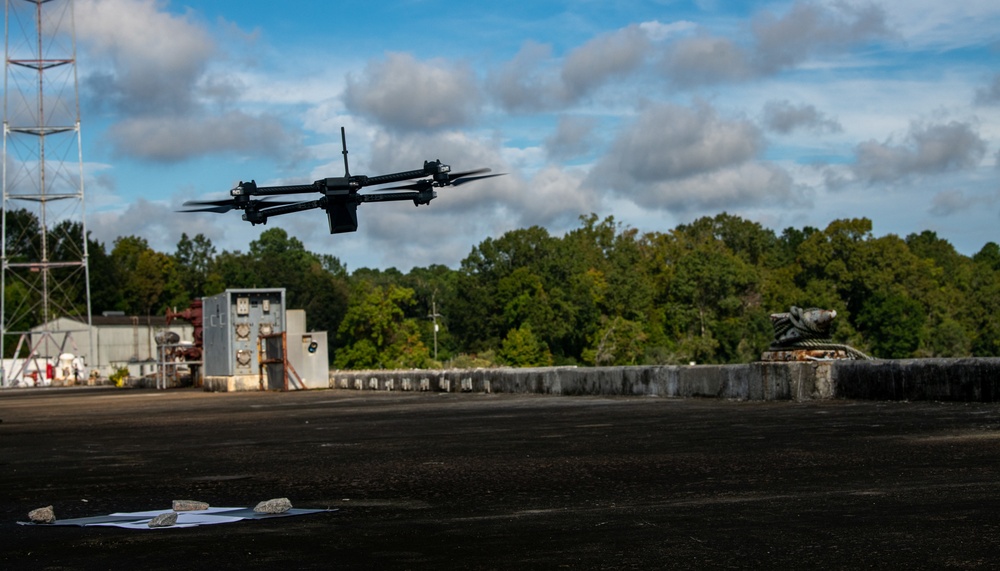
column 189, row 505
column 42, row 515
column 164, row 520
column 275, row 506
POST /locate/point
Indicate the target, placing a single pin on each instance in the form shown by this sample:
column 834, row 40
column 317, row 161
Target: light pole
column 434, row 315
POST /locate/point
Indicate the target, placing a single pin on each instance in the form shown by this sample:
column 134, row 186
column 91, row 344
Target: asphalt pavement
column 495, row 481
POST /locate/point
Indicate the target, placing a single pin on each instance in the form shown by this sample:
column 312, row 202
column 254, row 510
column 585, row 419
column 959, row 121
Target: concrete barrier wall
column 755, row 381
column 971, row 380
column 914, row 379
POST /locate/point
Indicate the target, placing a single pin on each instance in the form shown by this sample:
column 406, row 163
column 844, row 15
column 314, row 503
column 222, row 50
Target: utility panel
column 233, row 320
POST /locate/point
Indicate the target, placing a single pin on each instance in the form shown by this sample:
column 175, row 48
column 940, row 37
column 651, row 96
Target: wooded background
column 603, row 294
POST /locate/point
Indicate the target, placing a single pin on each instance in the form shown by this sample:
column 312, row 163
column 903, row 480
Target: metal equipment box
column 233, row 320
column 307, row 352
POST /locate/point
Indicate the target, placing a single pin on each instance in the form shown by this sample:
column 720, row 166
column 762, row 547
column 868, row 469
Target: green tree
column 710, row 294
column 521, row 348
column 106, row 292
column 983, row 303
column 194, row 257
column 893, row 325
column 618, row 342
column 484, row 321
column 375, row 334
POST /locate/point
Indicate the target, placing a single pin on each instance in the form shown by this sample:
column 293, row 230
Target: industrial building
column 250, row 342
column 113, row 341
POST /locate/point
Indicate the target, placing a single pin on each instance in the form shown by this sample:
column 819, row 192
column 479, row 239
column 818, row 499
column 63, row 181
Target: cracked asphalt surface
column 477, row 481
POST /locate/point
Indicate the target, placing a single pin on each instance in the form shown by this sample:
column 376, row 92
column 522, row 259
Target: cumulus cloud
column 573, row 137
column 927, row 149
column 183, row 137
column 671, row 142
column 954, row 201
column 156, row 58
column 406, row 236
column 784, row 117
column 747, row 184
column 534, row 81
column 146, row 219
column 704, row 60
column 153, row 70
column 550, row 194
column 990, row 93
column 401, row 92
column 809, row 28
column 658, row 31
column 775, row 42
column 603, row 58
column 683, row 158
column 526, row 83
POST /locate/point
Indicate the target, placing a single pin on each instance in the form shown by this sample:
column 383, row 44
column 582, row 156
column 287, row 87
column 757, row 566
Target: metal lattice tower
column 45, row 272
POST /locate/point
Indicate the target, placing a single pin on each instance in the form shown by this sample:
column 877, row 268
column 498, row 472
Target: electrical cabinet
column 233, row 320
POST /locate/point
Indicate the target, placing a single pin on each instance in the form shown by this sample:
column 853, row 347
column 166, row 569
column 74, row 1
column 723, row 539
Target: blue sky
column 656, row 113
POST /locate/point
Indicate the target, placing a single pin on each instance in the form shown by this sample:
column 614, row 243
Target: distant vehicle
column 340, row 196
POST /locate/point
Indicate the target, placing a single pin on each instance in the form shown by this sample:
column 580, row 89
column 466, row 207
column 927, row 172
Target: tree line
column 602, row 294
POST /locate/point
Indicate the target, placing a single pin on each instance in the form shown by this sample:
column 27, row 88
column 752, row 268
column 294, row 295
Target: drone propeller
column 419, row 185
column 455, row 175
column 462, row 180
column 454, row 179
column 223, row 206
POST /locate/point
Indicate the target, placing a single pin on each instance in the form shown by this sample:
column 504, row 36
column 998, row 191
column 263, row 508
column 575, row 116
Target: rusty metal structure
column 44, row 260
column 804, row 335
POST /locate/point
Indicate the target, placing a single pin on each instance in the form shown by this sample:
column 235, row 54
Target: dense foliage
column 603, row 294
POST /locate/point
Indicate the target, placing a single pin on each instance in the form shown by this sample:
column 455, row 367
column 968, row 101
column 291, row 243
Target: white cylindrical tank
column 64, row 367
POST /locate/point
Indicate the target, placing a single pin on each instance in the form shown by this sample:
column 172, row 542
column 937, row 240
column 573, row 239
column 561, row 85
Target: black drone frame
column 340, row 196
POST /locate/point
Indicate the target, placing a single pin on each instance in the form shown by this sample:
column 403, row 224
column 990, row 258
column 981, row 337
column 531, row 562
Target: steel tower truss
column 45, row 272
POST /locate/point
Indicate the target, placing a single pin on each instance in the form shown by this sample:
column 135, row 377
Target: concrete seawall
column 974, row 380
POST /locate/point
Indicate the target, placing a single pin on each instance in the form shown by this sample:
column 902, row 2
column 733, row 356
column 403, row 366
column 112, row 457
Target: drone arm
column 418, row 198
column 260, row 215
column 435, row 169
column 279, row 190
column 395, row 177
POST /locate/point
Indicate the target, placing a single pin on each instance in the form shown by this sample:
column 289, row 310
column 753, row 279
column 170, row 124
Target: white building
column 113, row 341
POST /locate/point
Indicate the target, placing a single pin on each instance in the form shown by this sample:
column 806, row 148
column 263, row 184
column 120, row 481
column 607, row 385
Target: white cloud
column 156, row 58
column 574, row 136
column 174, row 139
column 658, row 31
column 776, row 42
column 671, row 142
column 152, row 71
column 954, row 201
column 683, row 158
column 400, row 92
column 989, row 94
column 928, row 149
column 785, row 117
column 601, row 59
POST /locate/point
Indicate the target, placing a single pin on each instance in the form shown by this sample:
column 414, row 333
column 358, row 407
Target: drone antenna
column 343, row 141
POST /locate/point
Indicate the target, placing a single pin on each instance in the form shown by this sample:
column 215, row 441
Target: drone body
column 340, row 196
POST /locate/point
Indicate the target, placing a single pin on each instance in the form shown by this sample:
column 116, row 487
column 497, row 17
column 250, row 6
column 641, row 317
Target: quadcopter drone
column 340, row 196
